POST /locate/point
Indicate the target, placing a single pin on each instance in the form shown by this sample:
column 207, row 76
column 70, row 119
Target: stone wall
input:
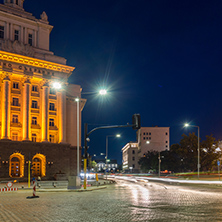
column 60, row 158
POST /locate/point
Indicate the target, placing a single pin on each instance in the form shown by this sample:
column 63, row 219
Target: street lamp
column 102, row 92
column 117, row 135
column 198, row 148
column 159, row 157
column 57, row 85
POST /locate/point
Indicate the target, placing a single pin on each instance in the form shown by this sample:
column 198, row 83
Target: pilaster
column 45, row 113
column 6, row 95
column 26, row 110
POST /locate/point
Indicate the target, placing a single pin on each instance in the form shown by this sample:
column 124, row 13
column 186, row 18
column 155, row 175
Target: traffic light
column 136, row 121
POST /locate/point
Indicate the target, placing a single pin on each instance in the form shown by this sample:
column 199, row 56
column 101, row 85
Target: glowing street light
column 198, row 147
column 57, row 85
column 103, row 92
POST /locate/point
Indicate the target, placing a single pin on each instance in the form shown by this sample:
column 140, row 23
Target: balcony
column 35, row 126
column 52, row 96
column 53, row 128
column 35, row 94
column 15, row 124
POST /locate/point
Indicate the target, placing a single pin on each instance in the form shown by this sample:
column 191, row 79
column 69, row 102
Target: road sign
column 218, row 163
column 9, row 184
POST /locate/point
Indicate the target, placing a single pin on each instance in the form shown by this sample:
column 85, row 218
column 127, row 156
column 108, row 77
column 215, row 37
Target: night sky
column 158, row 58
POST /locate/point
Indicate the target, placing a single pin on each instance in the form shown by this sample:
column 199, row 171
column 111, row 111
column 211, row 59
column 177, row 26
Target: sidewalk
column 56, row 186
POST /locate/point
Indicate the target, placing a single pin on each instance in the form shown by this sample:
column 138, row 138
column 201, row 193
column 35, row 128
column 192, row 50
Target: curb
column 66, row 190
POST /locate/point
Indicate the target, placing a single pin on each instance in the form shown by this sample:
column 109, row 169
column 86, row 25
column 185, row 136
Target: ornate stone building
column 38, row 120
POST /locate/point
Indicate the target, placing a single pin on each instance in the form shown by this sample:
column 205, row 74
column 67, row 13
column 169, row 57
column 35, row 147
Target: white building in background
column 130, row 157
column 148, row 139
column 153, row 138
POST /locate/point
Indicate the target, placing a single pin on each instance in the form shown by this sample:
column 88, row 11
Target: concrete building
column 148, row 139
column 130, row 157
column 38, row 120
column 153, row 138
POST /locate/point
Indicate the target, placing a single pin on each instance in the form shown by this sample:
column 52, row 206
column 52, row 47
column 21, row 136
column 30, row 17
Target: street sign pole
column 218, row 164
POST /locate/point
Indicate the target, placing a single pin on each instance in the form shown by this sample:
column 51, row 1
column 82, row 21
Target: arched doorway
column 38, row 165
column 16, row 165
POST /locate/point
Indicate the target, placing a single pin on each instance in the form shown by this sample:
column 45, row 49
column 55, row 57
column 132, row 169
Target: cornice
column 29, row 61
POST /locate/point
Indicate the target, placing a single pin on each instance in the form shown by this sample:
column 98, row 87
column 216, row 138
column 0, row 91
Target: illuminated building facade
column 130, row 157
column 38, row 120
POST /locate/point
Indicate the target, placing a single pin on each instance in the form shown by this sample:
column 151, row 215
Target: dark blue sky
column 159, row 58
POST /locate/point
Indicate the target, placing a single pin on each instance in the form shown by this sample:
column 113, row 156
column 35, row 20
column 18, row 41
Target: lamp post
column 102, row 92
column 198, row 148
column 107, row 137
column 77, row 123
column 159, row 158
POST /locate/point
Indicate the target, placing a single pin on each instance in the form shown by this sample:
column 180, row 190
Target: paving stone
column 121, row 202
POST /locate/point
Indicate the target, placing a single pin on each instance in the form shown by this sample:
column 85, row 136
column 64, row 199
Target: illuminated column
column 62, row 116
column 45, row 112
column 6, row 95
column 26, row 110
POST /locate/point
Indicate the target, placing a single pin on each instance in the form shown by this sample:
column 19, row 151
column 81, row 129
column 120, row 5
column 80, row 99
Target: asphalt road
column 123, row 201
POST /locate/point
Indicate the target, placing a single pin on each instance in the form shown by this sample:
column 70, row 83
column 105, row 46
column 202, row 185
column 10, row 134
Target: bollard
column 34, row 191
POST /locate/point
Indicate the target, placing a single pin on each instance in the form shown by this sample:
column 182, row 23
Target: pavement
column 123, row 201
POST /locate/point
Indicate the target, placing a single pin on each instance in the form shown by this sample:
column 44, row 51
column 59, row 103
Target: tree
column 149, row 161
column 209, row 154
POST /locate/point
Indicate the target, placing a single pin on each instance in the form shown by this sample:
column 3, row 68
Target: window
column 34, row 137
column 144, row 138
column 149, row 138
column 34, row 120
column 16, row 34
column 133, row 166
column 30, row 40
column 52, row 91
column 2, row 32
column 11, row 1
column 51, row 122
column 144, row 133
column 133, row 158
column 15, row 85
column 15, row 101
column 15, row 118
column 35, row 88
column 166, row 133
column 52, row 138
column 133, row 152
column 166, row 146
column 166, row 141
column 15, row 136
column 16, row 2
column 51, row 106
column 34, row 104
column 149, row 133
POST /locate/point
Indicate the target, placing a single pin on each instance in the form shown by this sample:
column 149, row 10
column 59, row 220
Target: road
column 124, row 201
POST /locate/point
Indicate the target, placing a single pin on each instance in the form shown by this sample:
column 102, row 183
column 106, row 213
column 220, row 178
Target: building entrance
column 36, row 167
column 15, row 168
